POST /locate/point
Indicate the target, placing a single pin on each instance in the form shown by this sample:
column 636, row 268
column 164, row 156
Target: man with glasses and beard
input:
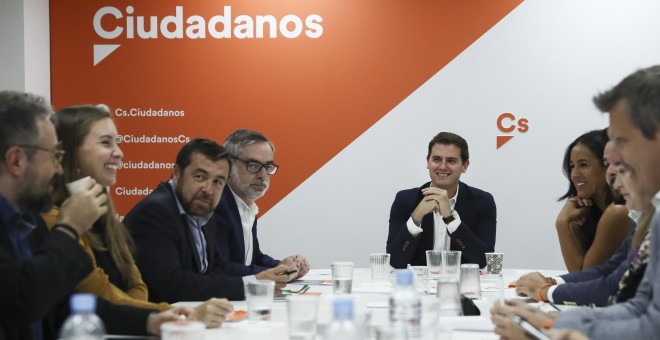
column 253, row 165
column 40, row 269
column 175, row 235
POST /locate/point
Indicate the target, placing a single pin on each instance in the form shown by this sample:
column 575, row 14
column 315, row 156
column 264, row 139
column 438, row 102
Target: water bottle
column 82, row 323
column 342, row 327
column 405, row 305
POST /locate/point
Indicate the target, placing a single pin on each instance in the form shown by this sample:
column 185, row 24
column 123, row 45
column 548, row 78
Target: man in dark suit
column 39, row 269
column 249, row 180
column 175, row 235
column 444, row 214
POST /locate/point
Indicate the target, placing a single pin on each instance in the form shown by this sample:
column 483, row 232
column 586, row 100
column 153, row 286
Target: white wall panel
column 542, row 62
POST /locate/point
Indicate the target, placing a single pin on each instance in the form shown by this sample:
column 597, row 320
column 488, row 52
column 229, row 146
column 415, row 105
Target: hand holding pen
column 281, row 275
column 303, row 265
column 300, row 262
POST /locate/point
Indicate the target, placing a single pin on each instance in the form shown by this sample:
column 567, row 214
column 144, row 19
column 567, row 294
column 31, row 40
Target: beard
column 36, row 199
column 246, row 191
column 35, row 203
column 617, row 198
column 192, row 209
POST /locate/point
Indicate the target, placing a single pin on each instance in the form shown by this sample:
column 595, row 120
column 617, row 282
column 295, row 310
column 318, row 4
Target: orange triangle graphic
column 502, row 139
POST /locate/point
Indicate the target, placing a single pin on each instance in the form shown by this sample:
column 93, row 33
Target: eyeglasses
column 57, row 151
column 255, row 167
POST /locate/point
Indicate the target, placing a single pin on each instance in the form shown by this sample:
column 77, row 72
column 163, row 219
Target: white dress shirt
column 248, row 215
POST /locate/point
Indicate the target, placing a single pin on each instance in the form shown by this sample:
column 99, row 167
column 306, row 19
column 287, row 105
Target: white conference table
column 372, row 297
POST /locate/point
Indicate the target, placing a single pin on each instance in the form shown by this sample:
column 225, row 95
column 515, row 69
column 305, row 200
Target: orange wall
column 311, row 96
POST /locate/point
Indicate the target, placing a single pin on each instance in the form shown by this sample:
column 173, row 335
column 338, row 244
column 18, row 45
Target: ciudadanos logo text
column 112, row 23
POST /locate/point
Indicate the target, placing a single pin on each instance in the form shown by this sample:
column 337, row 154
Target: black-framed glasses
column 58, row 153
column 255, row 167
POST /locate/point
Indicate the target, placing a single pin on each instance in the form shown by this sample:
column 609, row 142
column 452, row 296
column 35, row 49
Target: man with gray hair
column 252, row 154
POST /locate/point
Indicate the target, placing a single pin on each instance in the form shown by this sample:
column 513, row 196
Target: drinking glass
column 342, row 277
column 449, row 296
column 470, row 281
column 380, row 266
column 494, row 262
column 420, row 278
column 451, row 262
column 434, row 263
column 259, row 298
column 302, row 311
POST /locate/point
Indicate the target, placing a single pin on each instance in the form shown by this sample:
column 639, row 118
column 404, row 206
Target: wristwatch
column 449, row 218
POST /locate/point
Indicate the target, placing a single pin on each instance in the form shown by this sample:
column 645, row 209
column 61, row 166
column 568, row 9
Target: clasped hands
column 435, row 200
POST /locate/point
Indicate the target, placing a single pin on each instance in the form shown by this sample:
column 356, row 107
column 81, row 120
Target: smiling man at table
column 174, row 231
column 444, row 214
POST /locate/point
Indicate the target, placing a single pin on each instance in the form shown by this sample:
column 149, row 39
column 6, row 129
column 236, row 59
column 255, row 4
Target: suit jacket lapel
column 463, row 196
column 235, row 222
column 186, row 228
column 209, row 233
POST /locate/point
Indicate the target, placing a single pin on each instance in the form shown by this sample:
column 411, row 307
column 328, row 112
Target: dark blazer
column 636, row 318
column 231, row 245
column 167, row 257
column 39, row 289
column 596, row 285
column 32, row 290
column 474, row 237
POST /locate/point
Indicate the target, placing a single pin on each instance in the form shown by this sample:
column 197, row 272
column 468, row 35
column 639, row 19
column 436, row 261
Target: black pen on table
column 290, row 272
column 554, row 306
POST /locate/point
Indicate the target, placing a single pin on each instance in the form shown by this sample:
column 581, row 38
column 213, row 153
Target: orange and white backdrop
column 351, row 92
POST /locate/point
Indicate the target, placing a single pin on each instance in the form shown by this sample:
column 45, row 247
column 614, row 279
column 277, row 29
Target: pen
column 501, row 287
column 554, row 306
column 290, row 272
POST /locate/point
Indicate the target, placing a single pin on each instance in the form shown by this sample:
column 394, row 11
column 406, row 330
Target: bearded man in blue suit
column 253, row 157
column 443, row 214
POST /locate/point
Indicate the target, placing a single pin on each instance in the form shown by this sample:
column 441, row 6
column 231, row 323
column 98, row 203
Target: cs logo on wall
column 507, row 123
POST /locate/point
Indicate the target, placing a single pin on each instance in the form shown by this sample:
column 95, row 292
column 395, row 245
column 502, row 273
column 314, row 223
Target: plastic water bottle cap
column 83, row 303
column 404, row 277
column 343, row 308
